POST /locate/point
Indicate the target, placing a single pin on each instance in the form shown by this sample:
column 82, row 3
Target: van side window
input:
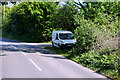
column 56, row 36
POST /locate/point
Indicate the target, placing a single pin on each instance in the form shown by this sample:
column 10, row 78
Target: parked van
column 62, row 39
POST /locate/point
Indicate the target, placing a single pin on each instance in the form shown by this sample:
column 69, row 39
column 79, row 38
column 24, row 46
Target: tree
column 96, row 9
column 5, row 3
column 30, row 20
column 64, row 17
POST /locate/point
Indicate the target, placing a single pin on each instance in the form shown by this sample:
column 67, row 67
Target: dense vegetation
column 0, row 16
column 95, row 26
column 30, row 21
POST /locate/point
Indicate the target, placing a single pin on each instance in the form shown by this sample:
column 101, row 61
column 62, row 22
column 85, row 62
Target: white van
column 62, row 39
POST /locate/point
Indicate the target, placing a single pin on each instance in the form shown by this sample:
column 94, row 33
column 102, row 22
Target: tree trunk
column 3, row 14
column 119, row 49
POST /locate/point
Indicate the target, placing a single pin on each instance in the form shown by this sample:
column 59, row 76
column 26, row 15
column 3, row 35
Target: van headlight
column 75, row 41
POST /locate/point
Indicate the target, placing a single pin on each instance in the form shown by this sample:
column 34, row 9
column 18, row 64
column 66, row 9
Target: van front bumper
column 68, row 45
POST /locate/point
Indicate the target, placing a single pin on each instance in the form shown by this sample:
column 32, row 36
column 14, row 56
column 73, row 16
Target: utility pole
column 3, row 14
column 3, row 11
column 119, row 48
column 0, row 16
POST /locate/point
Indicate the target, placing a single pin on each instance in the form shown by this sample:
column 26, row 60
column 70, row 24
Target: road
column 30, row 60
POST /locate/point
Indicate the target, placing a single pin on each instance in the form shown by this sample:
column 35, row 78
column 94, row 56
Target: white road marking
column 23, row 53
column 14, row 47
column 19, row 50
column 35, row 65
column 30, row 60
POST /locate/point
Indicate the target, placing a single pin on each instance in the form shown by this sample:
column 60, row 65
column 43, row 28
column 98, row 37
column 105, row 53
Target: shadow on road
column 9, row 40
column 27, row 48
column 3, row 55
column 57, row 57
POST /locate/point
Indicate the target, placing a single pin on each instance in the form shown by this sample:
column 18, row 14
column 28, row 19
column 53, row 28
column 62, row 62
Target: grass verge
column 58, row 51
column 104, row 62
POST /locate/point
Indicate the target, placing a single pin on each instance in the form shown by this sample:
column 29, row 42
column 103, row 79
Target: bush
column 85, row 37
column 30, row 21
column 102, row 61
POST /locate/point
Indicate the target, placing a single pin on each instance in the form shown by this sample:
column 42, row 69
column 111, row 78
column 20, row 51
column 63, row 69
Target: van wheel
column 53, row 44
column 60, row 46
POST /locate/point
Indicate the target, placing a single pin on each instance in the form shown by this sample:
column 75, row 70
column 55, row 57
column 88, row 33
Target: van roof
column 62, row 31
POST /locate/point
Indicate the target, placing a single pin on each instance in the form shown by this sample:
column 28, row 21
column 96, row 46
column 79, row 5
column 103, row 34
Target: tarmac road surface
column 30, row 60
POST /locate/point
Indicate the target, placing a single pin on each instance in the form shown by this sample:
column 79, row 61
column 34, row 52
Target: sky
column 11, row 5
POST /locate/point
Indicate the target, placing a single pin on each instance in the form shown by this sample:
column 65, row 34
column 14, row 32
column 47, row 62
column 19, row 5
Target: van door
column 56, row 40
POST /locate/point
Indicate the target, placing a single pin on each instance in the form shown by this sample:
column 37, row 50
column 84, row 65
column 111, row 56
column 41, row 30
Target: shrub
column 102, row 61
column 85, row 37
column 30, row 21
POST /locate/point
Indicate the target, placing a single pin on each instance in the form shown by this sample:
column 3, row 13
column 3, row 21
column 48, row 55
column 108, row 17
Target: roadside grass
column 47, row 42
column 58, row 51
column 103, row 62
column 64, row 52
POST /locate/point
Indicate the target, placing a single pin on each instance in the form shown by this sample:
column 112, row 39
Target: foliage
column 103, row 13
column 96, row 9
column 102, row 61
column 58, row 51
column 84, row 36
column 105, row 38
column 94, row 24
column 30, row 21
column 0, row 16
column 96, row 34
column 99, row 28
column 63, row 18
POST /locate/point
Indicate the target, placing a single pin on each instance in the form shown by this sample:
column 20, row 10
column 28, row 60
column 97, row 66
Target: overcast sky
column 11, row 5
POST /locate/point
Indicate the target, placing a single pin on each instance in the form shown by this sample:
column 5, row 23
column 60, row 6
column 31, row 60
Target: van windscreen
column 66, row 36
